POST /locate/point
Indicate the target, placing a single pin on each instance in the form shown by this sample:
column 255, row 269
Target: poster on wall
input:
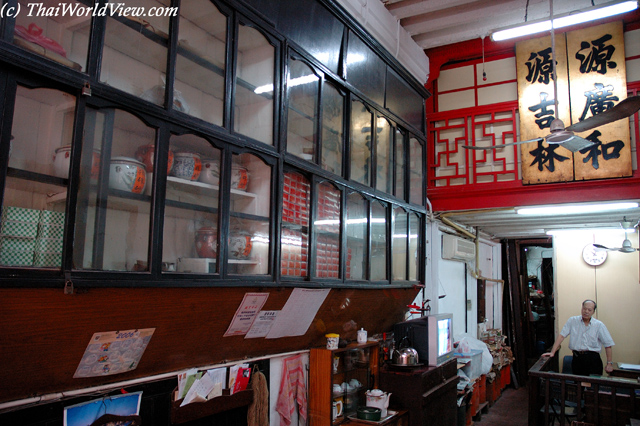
column 541, row 162
column 246, row 314
column 597, row 73
column 86, row 413
column 113, row 352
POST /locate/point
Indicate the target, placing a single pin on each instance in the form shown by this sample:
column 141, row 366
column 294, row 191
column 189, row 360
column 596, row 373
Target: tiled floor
column 511, row 409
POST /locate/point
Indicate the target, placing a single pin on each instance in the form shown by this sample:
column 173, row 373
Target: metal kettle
column 404, row 356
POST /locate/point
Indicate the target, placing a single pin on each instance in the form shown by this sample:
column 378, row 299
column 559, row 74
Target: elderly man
column 588, row 336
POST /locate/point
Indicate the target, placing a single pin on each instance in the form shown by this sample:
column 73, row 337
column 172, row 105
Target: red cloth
column 34, row 35
column 292, row 390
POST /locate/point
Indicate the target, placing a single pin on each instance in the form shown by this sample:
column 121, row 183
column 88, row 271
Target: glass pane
column 192, row 200
column 201, row 61
column 365, row 69
column 415, row 172
column 332, row 129
column 384, row 156
column 135, row 53
column 61, row 37
column 36, row 186
column 303, row 101
column 254, row 85
column 112, row 227
column 327, row 228
column 357, row 220
column 399, row 264
column 378, row 242
column 400, row 166
column 294, row 241
column 249, row 237
column 414, row 234
column 360, row 143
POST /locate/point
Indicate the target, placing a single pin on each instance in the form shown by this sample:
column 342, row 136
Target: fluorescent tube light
column 561, row 21
column 575, row 208
column 606, row 230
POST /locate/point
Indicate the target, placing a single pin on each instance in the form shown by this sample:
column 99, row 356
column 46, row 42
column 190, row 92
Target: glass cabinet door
column 357, row 236
column 332, row 128
column 294, row 238
column 201, row 60
column 327, row 226
column 134, row 57
column 303, row 101
column 351, row 378
column 378, row 242
column 58, row 31
column 113, row 210
column 39, row 151
column 191, row 216
column 249, row 235
column 399, row 245
column 255, row 78
column 361, row 120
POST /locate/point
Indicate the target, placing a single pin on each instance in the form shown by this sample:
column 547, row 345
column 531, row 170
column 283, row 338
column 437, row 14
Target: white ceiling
column 435, row 23
column 506, row 223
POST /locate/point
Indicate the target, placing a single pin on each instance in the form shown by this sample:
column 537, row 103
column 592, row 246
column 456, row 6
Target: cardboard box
column 16, row 258
column 17, row 243
column 44, row 259
column 48, row 245
column 50, row 230
column 196, row 265
column 56, row 218
column 15, row 228
column 20, row 214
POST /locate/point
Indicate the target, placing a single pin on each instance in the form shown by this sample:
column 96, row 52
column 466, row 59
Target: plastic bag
column 34, row 35
column 466, row 343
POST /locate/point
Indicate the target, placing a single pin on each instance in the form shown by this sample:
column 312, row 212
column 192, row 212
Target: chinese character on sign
column 540, row 66
column 595, row 56
column 545, row 116
column 546, row 156
column 599, row 100
column 609, row 150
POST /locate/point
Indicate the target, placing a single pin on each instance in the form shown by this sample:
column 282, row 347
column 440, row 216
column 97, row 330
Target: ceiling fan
column 564, row 136
column 626, row 244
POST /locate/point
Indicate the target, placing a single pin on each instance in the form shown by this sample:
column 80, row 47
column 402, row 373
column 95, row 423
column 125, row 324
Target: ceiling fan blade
column 501, row 146
column 572, row 142
column 600, row 246
column 623, row 109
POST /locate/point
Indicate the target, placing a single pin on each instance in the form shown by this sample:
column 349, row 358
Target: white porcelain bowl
column 210, row 172
column 127, row 174
column 62, row 161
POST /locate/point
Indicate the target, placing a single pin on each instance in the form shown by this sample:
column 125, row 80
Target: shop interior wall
column 613, row 285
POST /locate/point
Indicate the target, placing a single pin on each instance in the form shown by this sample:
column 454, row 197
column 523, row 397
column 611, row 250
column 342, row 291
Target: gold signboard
column 599, row 81
column 591, row 73
column 542, row 163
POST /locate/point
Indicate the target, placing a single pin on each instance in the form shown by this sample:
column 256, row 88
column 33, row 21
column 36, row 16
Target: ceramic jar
column 210, row 172
column 240, row 245
column 62, row 161
column 145, row 154
column 186, row 165
column 207, row 242
column 239, row 177
column 127, row 174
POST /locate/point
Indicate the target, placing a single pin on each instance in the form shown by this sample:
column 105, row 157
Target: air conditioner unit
column 456, row 248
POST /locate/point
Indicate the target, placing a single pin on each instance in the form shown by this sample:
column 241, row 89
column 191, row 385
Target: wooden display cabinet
column 356, row 363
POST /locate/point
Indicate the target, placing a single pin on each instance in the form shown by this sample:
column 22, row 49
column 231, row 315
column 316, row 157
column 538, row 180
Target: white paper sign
column 295, row 317
column 246, row 313
column 262, row 324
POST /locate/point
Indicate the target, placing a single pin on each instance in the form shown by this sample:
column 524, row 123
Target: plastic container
column 472, row 361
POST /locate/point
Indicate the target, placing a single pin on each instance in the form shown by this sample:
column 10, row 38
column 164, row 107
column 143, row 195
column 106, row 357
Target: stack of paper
column 195, row 386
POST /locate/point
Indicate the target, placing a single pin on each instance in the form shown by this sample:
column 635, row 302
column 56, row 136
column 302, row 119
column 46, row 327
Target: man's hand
column 608, row 368
column 547, row 354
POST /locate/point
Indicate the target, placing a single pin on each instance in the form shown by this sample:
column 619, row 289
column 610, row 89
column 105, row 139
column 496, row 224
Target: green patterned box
column 49, row 245
column 16, row 258
column 20, row 214
column 47, row 216
column 17, row 243
column 50, row 230
column 14, row 228
column 43, row 259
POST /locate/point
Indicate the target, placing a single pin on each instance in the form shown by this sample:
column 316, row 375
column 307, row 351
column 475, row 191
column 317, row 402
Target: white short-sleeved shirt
column 590, row 337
